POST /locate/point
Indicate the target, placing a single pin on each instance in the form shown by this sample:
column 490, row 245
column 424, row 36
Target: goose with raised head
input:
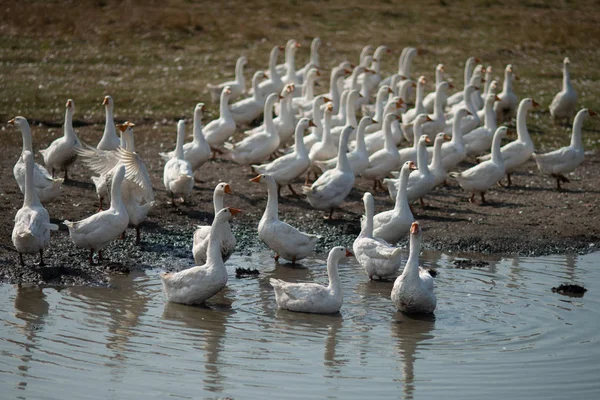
column 475, row 96
column 46, row 187
column 61, row 154
column 330, row 190
column 385, row 160
column 359, row 157
column 482, row 114
column 419, row 108
column 237, row 86
column 437, row 166
column 468, row 72
column 376, row 110
column 479, row 178
column 259, row 146
column 351, row 102
column 564, row 102
column 247, row 110
column 290, row 63
column 479, row 140
column 201, row 240
column 286, row 241
column 560, row 162
column 413, row 290
column 371, row 81
column 392, row 225
column 197, row 152
column 314, row 61
column 31, row 232
column 517, row 152
column 375, row 141
column 136, row 192
column 109, row 140
column 313, row 297
column 376, row 256
column 428, row 101
column 455, row 151
column 487, row 84
column 435, row 122
column 469, row 121
column 506, row 107
column 218, row 131
column 326, row 148
column 337, row 74
column 317, row 116
column 410, row 153
column 304, row 103
column 274, row 84
column 178, row 176
column 289, row 166
column 197, row 284
column 339, row 118
column 98, row 230
column 285, row 121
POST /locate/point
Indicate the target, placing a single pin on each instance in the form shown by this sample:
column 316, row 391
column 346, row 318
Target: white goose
column 218, row 131
column 61, row 152
column 517, row 152
column 201, row 241
column 31, row 232
column 98, row 230
column 290, row 166
column 337, row 74
column 326, row 148
column 285, row 121
column 419, row 108
column 197, row 152
column 290, row 63
column 479, row 178
column 247, row 110
column 413, row 290
column 197, row 284
column 274, row 84
column 393, row 225
column 285, row 240
column 110, row 140
column 339, row 118
column 560, row 162
column 312, row 297
column 471, row 120
column 237, row 86
column 302, row 104
column 565, row 102
column 435, row 122
column 479, row 140
column 482, row 112
column 429, row 99
column 506, row 107
column 376, row 256
column 454, row 152
column 385, row 160
column 317, row 116
column 410, row 153
column 376, row 140
column 437, row 166
column 178, row 176
column 468, row 72
column 371, row 81
column 359, row 157
column 330, row 190
column 46, row 187
column 376, row 110
column 136, row 190
column 259, row 146
column 314, row 60
column 351, row 106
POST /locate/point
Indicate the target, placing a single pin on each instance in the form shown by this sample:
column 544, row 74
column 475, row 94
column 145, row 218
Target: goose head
column 108, row 102
column 407, row 168
column 19, row 122
column 364, row 122
column 264, row 178
column 461, row 113
column 223, row 188
column 337, row 254
column 226, row 214
column 415, row 231
column 200, row 108
column 70, row 106
column 303, row 125
column 226, row 92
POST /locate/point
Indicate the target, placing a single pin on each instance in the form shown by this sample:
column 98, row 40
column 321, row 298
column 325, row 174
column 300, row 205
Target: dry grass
column 155, row 57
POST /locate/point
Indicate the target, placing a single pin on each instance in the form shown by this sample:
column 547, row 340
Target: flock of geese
column 337, row 149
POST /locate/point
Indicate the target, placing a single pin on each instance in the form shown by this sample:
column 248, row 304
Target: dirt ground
column 530, row 218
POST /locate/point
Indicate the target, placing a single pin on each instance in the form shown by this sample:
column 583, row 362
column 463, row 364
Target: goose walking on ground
column 98, row 230
column 218, row 131
column 237, row 86
column 312, row 297
column 413, row 290
column 202, row 234
column 46, row 187
column 247, row 110
column 565, row 102
column 178, row 176
column 560, row 162
column 31, row 232
column 61, row 154
column 383, row 161
column 376, row 256
column 285, row 240
column 479, row 140
column 197, row 284
column 506, row 107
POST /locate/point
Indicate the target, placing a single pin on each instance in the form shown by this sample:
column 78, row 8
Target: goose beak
column 105, row 101
column 427, row 140
column 482, row 80
column 311, row 123
column 428, row 119
column 234, row 211
column 347, row 72
column 475, row 87
column 127, row 123
column 69, row 103
column 509, row 133
column 12, row 121
column 374, row 59
column 414, row 228
column 256, row 179
column 203, row 108
column 388, row 51
column 414, row 85
column 228, row 91
column 318, row 73
column 399, row 103
column 450, row 85
column 592, row 114
column 420, row 52
column 279, row 96
column 390, row 90
column 497, row 98
column 403, row 77
column 360, row 95
column 534, row 103
column 298, row 45
column 477, row 60
column 412, row 166
column 469, row 112
column 375, row 122
column 227, row 189
column 281, row 48
column 349, row 253
column 122, row 127
column 352, row 66
column 447, row 137
column 326, row 99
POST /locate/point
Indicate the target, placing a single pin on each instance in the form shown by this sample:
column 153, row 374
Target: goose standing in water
column 178, row 176
column 31, row 233
column 312, row 297
column 413, row 290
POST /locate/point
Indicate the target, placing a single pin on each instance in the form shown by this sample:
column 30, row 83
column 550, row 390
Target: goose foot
column 509, row 182
column 21, row 260
column 292, row 190
column 42, row 263
column 330, row 217
column 137, row 235
column 91, row 258
column 482, row 198
column 421, row 202
column 276, row 257
column 100, row 206
column 472, row 198
column 122, row 237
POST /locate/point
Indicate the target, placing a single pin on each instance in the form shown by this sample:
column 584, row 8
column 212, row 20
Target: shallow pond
column 498, row 332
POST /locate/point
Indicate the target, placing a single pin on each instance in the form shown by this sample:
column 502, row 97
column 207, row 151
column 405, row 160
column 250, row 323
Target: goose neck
column 239, row 73
column 436, row 158
column 522, row 132
column 361, row 146
column 116, row 199
column 180, row 140
column 213, row 254
column 496, row 152
column 438, row 102
column 422, row 159
column 342, row 158
column 224, row 106
column 127, row 136
column 566, row 77
column 412, row 264
column 576, row 141
column 299, row 146
column 401, row 199
column 31, row 196
column 268, row 118
column 272, row 209
column 335, row 284
column 68, row 128
column 367, row 230
column 218, row 201
column 507, row 84
column 490, row 116
column 198, row 134
column 26, row 135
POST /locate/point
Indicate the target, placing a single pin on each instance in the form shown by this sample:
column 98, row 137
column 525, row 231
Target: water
column 498, row 332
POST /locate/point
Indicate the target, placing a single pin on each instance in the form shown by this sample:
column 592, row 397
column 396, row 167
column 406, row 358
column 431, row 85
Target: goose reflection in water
column 208, row 327
column 32, row 308
column 410, row 332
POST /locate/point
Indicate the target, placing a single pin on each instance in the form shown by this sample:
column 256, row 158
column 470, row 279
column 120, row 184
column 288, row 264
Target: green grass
column 155, row 58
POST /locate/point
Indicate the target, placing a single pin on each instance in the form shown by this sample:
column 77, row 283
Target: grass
column 156, row 57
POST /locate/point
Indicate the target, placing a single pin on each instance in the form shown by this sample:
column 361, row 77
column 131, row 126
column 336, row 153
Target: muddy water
column 498, row 332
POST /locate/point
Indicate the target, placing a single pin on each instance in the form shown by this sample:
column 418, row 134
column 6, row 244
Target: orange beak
column 326, row 99
column 414, row 84
column 281, row 48
column 477, row 60
column 234, row 211
column 228, row 189
column 347, row 71
column 69, row 103
column 203, row 108
column 349, row 253
column 497, row 98
column 279, row 97
column 318, row 73
column 122, row 127
column 446, row 137
column 450, row 85
column 534, row 103
column 256, row 179
column 298, row 45
column 228, row 91
column 12, row 121
column 427, row 140
column 105, row 101
column 428, row 118
column 127, row 123
column 311, row 123
column 412, row 166
column 414, row 228
column 592, row 114
column 375, row 122
column 390, row 90
column 469, row 112
column 517, row 78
